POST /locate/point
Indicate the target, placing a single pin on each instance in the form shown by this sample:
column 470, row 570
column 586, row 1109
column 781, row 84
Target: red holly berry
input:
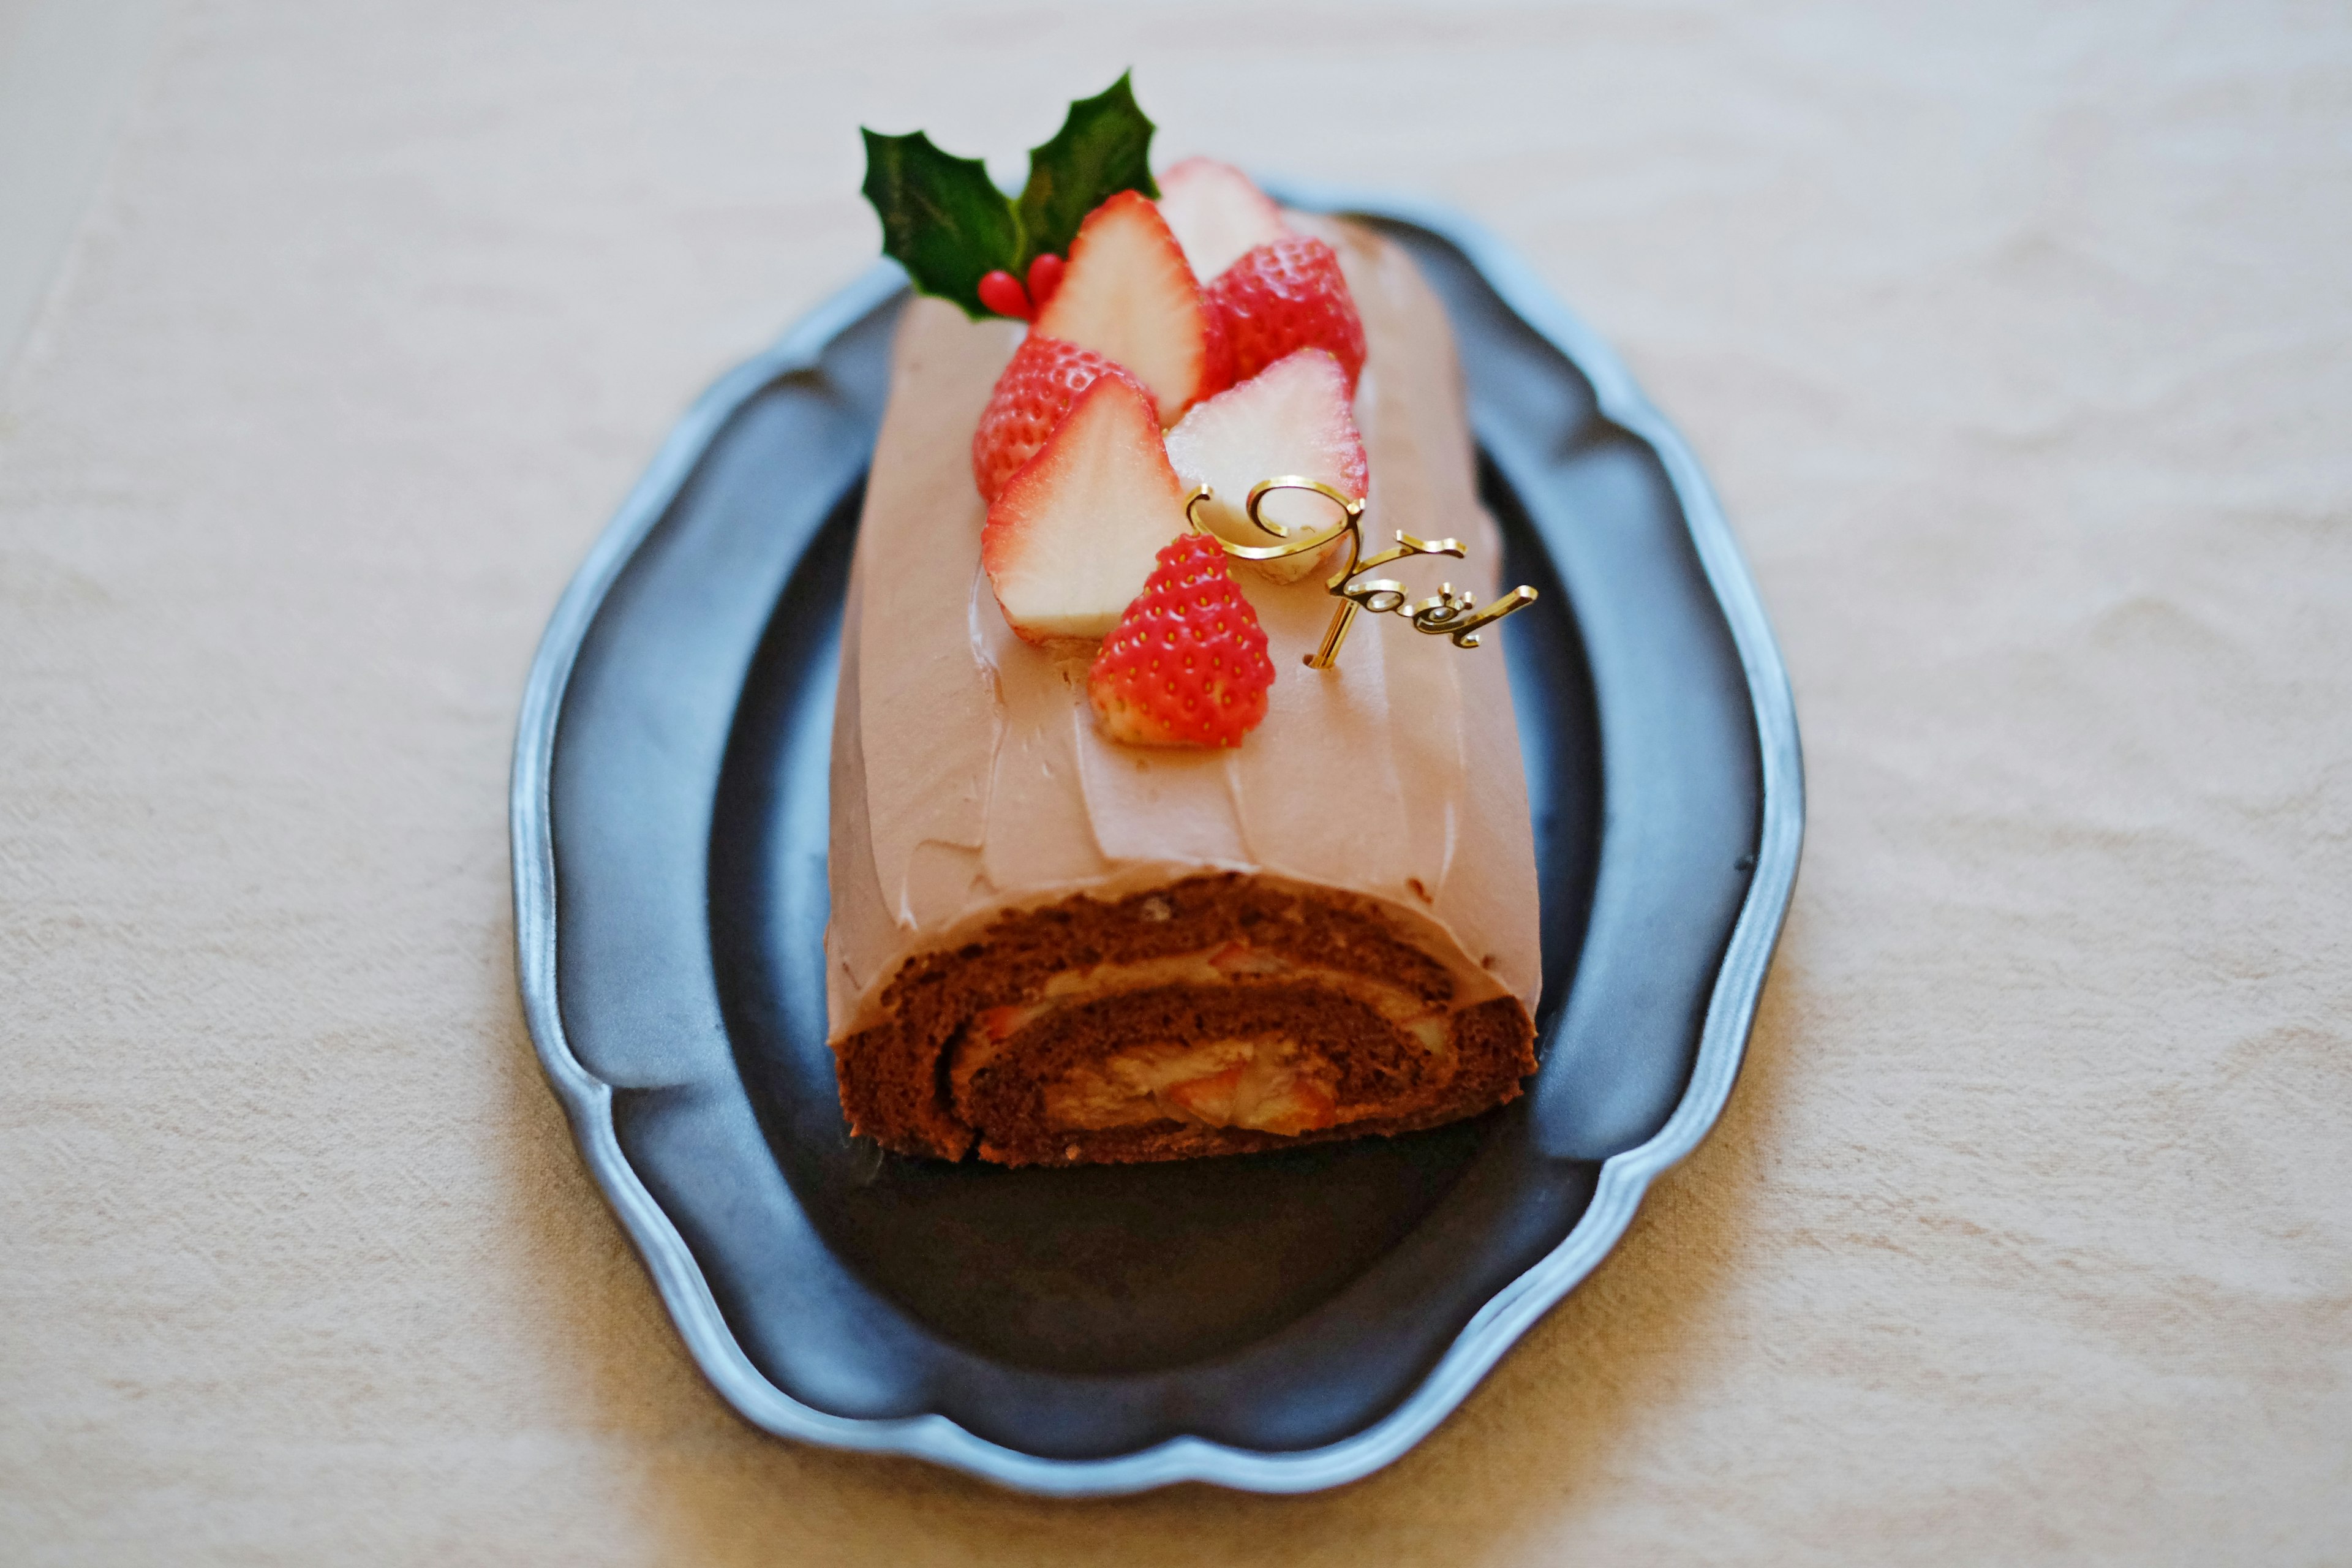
column 1287, row 295
column 1001, row 292
column 1045, row 276
column 1186, row 666
column 1036, row 389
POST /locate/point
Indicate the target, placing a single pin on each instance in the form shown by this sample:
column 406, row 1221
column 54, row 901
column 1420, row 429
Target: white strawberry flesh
column 1127, row 294
column 1216, row 213
column 1291, row 419
column 1072, row 536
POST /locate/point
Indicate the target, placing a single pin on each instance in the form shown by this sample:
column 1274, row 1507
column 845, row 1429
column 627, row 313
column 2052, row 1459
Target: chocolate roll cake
column 1052, row 944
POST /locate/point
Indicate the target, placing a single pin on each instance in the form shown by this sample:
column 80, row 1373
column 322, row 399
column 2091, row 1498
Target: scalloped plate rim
column 1624, row 1179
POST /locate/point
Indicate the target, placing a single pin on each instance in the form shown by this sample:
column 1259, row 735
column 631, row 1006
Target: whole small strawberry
column 1186, row 666
column 1284, row 296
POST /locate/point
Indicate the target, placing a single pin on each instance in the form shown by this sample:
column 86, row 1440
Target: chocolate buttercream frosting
column 1051, row 947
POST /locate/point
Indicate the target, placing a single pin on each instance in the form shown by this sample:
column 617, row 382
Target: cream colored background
column 2019, row 342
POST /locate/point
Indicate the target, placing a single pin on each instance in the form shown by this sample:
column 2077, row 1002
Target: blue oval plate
column 1277, row 1322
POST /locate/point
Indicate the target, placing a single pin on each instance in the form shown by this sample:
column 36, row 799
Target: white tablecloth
column 2019, row 342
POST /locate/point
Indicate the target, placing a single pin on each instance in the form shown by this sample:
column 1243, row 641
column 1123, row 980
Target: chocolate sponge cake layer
column 1216, row 1014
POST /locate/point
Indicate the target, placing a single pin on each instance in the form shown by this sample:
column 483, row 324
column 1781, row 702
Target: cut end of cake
column 1221, row 1013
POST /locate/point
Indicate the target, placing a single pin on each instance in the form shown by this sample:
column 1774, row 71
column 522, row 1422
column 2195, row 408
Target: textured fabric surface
column 2019, row 342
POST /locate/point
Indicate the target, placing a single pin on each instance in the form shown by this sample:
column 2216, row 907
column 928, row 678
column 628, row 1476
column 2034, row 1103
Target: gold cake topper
column 1445, row 614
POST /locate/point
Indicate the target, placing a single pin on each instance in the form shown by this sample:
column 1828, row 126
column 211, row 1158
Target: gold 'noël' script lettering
column 1447, row 612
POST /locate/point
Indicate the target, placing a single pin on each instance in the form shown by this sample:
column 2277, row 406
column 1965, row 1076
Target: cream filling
column 1268, row 1083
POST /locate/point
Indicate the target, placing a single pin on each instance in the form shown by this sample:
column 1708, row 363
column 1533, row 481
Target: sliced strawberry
column 1284, row 296
column 1293, row 417
column 1293, row 1108
column 1127, row 294
column 1240, row 957
column 1002, row 1024
column 1210, row 1099
column 1045, row 376
column 1187, row 664
column 1216, row 213
column 1219, row 348
column 1072, row 533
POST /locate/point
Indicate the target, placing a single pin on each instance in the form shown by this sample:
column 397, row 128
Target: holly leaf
column 1103, row 148
column 943, row 219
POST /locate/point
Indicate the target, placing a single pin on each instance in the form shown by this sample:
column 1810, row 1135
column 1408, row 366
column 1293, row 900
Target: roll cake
column 1049, row 946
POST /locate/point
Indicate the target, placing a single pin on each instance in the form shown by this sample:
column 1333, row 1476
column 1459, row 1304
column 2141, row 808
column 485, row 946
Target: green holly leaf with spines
column 1104, row 147
column 943, row 219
